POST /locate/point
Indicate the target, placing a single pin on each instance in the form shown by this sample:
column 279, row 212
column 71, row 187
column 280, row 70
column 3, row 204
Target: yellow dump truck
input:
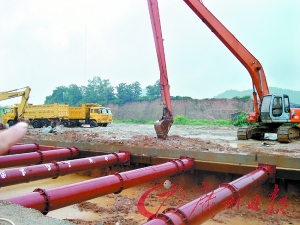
column 92, row 114
column 38, row 115
column 110, row 115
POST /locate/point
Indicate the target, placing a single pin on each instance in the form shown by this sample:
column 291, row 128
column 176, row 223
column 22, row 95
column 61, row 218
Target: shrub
column 181, row 120
column 240, row 120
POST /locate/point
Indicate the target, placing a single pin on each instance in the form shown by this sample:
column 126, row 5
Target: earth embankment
column 209, row 109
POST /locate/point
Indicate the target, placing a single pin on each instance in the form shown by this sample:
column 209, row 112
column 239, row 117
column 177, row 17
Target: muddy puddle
column 122, row 208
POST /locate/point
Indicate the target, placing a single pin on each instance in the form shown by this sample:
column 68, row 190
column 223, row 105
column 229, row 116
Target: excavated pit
column 121, row 208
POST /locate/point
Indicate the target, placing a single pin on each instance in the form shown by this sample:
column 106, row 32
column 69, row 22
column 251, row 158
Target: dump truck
column 38, row 115
column 93, row 114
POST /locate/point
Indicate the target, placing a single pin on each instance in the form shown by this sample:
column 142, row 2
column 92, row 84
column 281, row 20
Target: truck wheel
column 93, row 124
column 104, row 124
column 36, row 124
column 11, row 123
column 65, row 123
column 45, row 123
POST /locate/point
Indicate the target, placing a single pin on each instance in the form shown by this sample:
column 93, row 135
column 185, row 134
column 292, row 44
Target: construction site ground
column 219, row 139
column 122, row 208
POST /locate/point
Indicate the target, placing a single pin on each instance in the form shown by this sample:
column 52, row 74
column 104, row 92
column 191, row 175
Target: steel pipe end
column 127, row 153
column 192, row 160
column 270, row 169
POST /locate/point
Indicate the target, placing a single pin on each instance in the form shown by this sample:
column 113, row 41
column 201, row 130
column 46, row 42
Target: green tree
column 98, row 91
column 123, row 93
column 136, row 90
column 153, row 91
column 128, row 92
column 73, row 95
column 57, row 95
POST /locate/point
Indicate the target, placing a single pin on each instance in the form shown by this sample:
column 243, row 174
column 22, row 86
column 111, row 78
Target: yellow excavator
column 21, row 92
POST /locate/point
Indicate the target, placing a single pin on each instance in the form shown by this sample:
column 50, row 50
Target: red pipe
column 55, row 198
column 208, row 205
column 26, row 148
column 56, row 169
column 18, row 149
column 38, row 157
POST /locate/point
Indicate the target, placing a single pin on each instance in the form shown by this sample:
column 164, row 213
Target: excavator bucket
column 162, row 128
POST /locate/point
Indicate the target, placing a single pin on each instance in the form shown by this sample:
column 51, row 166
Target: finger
column 11, row 136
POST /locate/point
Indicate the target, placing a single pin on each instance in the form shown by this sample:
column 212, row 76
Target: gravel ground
column 24, row 216
column 195, row 138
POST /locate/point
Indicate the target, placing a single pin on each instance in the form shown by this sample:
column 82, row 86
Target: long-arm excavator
column 273, row 112
column 163, row 125
column 21, row 107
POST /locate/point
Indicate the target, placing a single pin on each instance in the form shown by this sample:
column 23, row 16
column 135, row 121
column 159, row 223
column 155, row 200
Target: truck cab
column 109, row 115
column 98, row 116
column 9, row 115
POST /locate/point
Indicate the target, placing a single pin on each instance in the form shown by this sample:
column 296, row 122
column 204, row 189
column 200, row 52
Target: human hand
column 11, row 136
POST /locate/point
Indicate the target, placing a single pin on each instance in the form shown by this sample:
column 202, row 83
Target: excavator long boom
column 17, row 93
column 163, row 125
column 238, row 50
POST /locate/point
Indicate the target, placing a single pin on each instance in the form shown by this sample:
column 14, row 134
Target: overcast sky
column 46, row 44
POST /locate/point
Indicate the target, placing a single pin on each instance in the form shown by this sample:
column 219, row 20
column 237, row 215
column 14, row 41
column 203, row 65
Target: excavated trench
column 122, row 207
column 260, row 206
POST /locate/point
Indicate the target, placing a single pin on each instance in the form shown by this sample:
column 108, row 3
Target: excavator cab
column 275, row 108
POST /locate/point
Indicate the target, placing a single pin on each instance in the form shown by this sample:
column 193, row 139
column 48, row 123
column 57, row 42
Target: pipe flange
column 122, row 182
column 234, row 191
column 46, row 197
column 176, row 164
column 190, row 160
column 72, row 153
column 41, row 157
column 177, row 211
column 182, row 163
column 57, row 169
column 37, row 146
column 269, row 169
column 117, row 156
column 127, row 161
column 163, row 217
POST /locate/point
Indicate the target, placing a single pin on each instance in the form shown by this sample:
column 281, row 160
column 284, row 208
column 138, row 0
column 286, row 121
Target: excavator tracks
column 247, row 132
column 242, row 133
column 287, row 134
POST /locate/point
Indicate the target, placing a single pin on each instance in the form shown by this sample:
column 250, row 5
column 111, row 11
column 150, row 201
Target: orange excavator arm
column 163, row 125
column 238, row 50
